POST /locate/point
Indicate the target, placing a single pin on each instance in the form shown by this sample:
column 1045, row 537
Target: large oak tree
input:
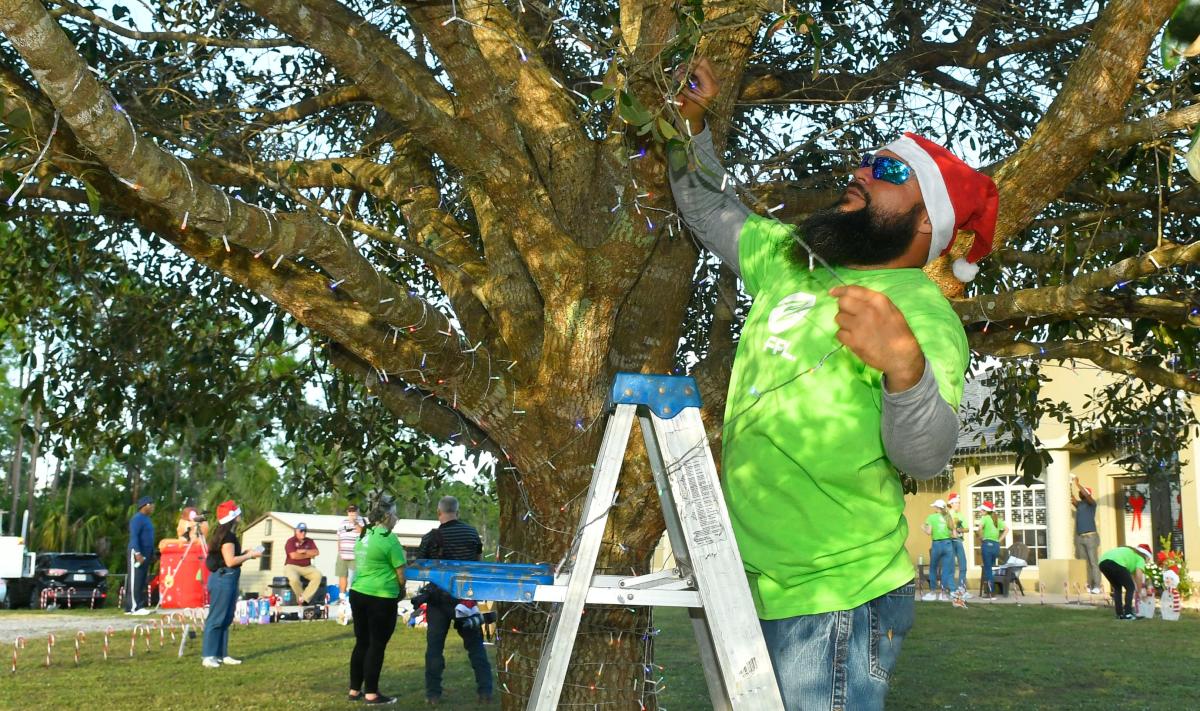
column 467, row 201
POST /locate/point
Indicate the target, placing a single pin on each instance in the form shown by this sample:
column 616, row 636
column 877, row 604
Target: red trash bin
column 183, row 577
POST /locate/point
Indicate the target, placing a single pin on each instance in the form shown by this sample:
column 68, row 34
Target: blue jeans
column 437, row 625
column 990, row 550
column 960, row 558
column 941, row 557
column 840, row 660
column 222, row 598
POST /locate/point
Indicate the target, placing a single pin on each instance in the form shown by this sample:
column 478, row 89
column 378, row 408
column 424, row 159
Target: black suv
column 69, row 580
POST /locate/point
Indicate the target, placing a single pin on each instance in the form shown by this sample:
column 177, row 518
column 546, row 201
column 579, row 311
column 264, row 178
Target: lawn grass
column 985, row 657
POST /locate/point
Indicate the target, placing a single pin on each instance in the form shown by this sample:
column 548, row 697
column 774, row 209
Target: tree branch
column 412, row 407
column 304, row 108
column 1148, row 129
column 164, row 182
column 1092, row 99
column 182, row 37
column 1073, row 297
column 762, row 86
column 1087, row 350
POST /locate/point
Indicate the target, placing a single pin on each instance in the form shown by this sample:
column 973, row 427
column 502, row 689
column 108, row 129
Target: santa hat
column 952, row 498
column 1145, row 550
column 986, row 506
column 957, row 197
column 227, row 511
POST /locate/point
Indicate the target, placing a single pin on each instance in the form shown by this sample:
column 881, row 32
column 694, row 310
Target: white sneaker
column 943, row 597
column 210, row 662
column 965, row 594
column 141, row 611
column 929, row 597
column 230, row 660
column 1097, row 591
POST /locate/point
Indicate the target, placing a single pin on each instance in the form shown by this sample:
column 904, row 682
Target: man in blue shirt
column 141, row 556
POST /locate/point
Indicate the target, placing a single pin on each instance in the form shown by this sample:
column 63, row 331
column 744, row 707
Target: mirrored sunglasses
column 887, row 168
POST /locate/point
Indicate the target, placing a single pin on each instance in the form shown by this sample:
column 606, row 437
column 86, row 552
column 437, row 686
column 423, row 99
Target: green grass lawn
column 985, row 657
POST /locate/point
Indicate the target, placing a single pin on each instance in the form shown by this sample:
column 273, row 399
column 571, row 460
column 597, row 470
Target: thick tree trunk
column 14, row 479
column 31, row 481
column 1161, row 521
column 67, row 509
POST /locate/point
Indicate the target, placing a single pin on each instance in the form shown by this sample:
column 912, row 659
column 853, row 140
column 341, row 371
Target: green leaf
column 602, row 94
column 93, row 198
column 677, row 156
column 632, row 111
column 666, row 129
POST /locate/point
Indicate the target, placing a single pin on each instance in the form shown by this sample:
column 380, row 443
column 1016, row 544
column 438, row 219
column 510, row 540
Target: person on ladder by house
column 844, row 376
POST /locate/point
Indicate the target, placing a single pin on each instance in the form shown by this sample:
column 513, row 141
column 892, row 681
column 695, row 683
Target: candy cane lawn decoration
column 183, row 636
column 133, row 638
column 18, row 643
column 107, row 633
column 70, row 594
column 80, row 637
column 49, row 647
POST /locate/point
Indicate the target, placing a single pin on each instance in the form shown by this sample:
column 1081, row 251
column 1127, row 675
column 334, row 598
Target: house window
column 264, row 563
column 1022, row 508
column 267, row 527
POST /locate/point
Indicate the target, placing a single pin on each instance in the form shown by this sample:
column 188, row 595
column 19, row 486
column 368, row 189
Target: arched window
column 1022, row 508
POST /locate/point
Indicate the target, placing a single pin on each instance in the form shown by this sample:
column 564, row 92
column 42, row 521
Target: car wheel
column 35, row 597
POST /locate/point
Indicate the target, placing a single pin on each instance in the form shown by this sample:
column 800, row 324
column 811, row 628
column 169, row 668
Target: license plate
column 79, row 577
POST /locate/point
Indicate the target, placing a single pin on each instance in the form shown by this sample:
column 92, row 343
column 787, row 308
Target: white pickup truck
column 16, row 565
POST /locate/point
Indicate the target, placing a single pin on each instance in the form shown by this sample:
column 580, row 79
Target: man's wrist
column 905, row 374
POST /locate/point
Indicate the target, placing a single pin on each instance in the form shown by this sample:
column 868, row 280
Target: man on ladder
column 847, row 371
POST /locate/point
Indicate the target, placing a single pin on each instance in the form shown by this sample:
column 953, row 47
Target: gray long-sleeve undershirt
column 919, row 428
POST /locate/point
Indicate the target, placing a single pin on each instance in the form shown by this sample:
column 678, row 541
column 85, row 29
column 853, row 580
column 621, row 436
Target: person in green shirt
column 991, row 530
column 939, row 525
column 849, row 370
column 960, row 550
column 1124, row 568
column 377, row 589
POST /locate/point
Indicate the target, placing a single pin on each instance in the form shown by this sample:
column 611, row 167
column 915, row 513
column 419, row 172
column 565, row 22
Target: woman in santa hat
column 224, row 561
column 990, row 529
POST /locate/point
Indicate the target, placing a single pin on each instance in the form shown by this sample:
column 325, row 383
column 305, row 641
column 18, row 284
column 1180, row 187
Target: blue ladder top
column 665, row 395
column 474, row 580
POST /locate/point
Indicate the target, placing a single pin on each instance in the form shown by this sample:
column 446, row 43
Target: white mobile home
column 274, row 528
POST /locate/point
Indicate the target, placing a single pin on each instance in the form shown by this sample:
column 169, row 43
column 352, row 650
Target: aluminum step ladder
column 709, row 578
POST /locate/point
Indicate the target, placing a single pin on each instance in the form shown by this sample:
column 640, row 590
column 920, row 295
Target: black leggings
column 374, row 623
column 1118, row 577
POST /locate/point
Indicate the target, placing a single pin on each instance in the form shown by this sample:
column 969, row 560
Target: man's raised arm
column 707, row 200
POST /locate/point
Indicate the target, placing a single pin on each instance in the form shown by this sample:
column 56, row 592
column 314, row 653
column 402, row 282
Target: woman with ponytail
column 224, row 562
column 991, row 530
column 377, row 588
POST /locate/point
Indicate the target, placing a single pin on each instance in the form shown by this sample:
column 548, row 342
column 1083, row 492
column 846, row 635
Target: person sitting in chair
column 300, row 551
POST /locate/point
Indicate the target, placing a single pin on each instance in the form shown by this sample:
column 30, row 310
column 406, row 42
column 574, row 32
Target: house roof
column 974, row 436
column 328, row 523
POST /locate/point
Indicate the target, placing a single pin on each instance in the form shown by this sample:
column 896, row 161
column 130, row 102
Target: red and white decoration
column 957, row 197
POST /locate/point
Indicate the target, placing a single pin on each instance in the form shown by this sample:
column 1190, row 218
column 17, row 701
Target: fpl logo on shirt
column 789, row 312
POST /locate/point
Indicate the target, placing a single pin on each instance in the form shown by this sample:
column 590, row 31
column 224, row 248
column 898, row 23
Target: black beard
column 855, row 238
